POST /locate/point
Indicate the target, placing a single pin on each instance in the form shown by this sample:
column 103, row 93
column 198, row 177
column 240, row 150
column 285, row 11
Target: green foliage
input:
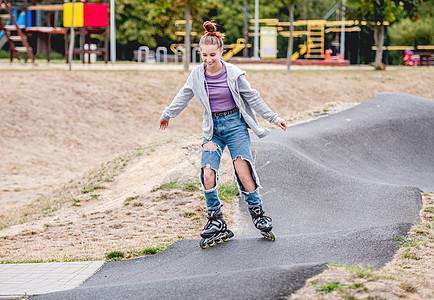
column 387, row 10
column 407, row 242
column 409, row 254
column 148, row 22
column 115, row 255
column 373, row 10
column 53, row 56
column 311, row 10
column 170, row 185
column 153, row 250
column 228, row 191
column 189, row 186
column 192, row 185
column 129, row 199
column 134, row 22
column 91, row 186
column 363, row 272
column 4, row 54
column 409, row 33
column 329, row 287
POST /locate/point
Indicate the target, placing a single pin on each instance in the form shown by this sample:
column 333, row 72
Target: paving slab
column 18, row 280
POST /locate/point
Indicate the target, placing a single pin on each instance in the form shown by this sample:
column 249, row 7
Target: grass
column 129, row 199
column 153, row 250
column 328, row 287
column 119, row 255
column 228, row 191
column 407, row 242
column 190, row 186
column 409, row 254
column 115, row 255
column 367, row 273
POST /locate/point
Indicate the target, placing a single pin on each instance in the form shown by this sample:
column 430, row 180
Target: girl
column 229, row 109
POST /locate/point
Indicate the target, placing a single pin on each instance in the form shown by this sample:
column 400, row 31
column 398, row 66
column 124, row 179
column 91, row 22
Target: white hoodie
column 247, row 100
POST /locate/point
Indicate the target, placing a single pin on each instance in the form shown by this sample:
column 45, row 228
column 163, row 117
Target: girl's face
column 211, row 55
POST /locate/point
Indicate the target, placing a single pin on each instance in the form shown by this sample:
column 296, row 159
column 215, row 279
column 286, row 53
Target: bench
column 426, row 59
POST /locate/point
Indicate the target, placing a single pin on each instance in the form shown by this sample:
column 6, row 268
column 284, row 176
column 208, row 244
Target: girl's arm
column 179, row 103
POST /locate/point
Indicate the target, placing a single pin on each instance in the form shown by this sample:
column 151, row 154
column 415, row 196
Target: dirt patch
column 72, row 187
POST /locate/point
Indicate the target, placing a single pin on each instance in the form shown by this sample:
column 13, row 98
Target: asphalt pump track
column 340, row 189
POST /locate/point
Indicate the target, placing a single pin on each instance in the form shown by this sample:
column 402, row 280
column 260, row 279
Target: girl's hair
column 211, row 36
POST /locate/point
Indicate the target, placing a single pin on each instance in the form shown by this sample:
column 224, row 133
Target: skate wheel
column 202, row 244
column 211, row 243
column 219, row 241
column 229, row 234
column 269, row 235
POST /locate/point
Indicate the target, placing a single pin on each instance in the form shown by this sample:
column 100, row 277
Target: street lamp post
column 112, row 32
column 342, row 47
column 256, row 39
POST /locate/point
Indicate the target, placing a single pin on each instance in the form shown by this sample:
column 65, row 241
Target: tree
column 291, row 6
column 191, row 6
column 376, row 12
column 409, row 33
column 416, row 28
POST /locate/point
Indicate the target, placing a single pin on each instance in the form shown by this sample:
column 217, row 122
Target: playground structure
column 313, row 48
column 18, row 22
column 90, row 19
column 178, row 49
column 13, row 32
column 314, row 32
column 41, row 21
column 420, row 59
column 311, row 51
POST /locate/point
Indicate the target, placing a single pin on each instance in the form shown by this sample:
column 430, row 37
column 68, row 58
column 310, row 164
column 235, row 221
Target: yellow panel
column 78, row 14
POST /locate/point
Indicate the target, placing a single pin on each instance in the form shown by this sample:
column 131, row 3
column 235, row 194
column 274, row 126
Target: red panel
column 95, row 15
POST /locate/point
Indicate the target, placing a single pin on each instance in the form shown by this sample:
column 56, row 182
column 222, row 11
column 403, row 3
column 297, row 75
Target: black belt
column 224, row 113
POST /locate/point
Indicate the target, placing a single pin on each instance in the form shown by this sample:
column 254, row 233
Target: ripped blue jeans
column 231, row 131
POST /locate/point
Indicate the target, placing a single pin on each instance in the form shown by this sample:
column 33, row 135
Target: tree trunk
column 187, row 42
column 246, row 31
column 379, row 41
column 291, row 38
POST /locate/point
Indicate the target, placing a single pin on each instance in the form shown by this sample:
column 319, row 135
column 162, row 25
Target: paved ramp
column 341, row 189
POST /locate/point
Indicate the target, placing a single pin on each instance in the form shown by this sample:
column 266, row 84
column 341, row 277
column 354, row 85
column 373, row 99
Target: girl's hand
column 281, row 123
column 163, row 124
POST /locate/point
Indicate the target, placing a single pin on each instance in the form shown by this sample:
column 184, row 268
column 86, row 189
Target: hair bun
column 209, row 26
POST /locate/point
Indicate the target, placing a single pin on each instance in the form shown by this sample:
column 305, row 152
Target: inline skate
column 261, row 222
column 215, row 231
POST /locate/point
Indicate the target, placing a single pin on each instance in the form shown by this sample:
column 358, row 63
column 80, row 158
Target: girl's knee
column 244, row 173
column 242, row 167
column 209, row 177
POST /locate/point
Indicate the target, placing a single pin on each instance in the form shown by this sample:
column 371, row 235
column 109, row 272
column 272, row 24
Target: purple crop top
column 219, row 94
